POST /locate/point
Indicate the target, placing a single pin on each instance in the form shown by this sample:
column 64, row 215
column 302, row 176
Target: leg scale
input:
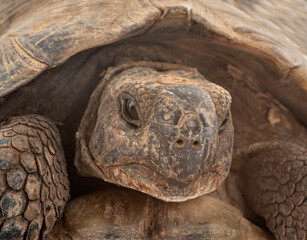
column 34, row 184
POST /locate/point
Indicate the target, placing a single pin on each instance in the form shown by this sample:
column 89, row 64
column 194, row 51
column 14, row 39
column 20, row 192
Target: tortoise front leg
column 275, row 186
column 34, row 185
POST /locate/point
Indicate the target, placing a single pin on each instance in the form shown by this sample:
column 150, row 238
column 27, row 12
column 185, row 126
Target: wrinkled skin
column 163, row 130
column 168, row 134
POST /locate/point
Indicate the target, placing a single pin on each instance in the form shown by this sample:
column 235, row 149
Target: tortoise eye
column 130, row 112
column 224, row 122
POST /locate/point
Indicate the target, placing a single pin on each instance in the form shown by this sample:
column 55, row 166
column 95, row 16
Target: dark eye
column 130, row 112
column 224, row 122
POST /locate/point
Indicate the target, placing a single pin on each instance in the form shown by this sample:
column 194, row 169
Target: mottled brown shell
column 124, row 214
column 259, row 37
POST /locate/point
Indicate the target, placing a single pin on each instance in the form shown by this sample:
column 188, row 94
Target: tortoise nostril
column 180, row 143
column 196, row 144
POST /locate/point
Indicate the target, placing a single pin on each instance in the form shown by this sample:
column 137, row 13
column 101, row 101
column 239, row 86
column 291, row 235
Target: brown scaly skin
column 179, row 116
column 34, row 186
column 179, row 146
column 274, row 185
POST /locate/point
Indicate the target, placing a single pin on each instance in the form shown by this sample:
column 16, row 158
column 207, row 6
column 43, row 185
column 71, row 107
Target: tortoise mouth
column 151, row 170
column 147, row 180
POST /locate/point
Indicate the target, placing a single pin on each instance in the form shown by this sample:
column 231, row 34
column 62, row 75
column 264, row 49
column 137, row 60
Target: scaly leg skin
column 275, row 186
column 34, row 184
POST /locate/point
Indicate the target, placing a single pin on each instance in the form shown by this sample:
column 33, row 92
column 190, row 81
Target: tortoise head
column 165, row 133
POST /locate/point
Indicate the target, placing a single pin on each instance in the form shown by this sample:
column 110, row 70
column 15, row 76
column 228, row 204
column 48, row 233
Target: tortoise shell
column 257, row 37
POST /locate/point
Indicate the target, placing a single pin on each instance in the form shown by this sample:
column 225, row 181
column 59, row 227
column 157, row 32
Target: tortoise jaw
column 159, row 186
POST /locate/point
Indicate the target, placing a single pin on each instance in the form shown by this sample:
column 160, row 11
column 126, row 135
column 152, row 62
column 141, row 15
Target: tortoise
column 159, row 121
